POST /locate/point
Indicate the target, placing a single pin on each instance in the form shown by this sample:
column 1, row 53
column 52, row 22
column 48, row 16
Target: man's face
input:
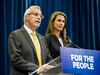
column 34, row 18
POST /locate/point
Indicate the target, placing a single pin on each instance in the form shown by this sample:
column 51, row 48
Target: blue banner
column 80, row 61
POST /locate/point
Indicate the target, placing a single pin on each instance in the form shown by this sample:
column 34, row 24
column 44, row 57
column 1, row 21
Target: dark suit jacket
column 54, row 45
column 23, row 54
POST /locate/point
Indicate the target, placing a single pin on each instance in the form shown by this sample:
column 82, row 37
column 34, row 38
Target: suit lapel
column 31, row 43
column 28, row 38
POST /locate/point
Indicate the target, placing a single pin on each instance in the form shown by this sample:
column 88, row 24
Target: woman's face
column 59, row 23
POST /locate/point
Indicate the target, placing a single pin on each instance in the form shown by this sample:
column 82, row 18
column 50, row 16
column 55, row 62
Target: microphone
column 68, row 44
column 72, row 43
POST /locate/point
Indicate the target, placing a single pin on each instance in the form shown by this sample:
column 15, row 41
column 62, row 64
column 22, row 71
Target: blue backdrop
column 83, row 24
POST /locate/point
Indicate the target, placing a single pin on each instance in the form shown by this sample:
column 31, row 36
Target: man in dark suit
column 21, row 48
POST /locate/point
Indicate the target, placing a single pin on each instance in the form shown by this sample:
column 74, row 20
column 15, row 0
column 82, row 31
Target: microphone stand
column 76, row 45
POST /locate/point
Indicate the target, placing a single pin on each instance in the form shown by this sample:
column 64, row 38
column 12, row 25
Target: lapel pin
column 39, row 37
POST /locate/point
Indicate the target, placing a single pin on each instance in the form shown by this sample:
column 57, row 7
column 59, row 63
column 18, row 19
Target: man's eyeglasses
column 36, row 14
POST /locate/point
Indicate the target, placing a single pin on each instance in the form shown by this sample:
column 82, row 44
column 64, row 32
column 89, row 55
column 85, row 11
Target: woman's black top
column 54, row 45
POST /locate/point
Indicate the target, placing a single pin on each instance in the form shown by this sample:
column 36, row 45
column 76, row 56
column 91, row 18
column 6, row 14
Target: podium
column 80, row 61
column 76, row 61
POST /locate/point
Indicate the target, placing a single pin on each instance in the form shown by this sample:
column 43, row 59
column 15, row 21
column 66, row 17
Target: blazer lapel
column 65, row 43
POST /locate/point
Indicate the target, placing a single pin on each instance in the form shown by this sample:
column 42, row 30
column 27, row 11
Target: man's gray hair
column 29, row 11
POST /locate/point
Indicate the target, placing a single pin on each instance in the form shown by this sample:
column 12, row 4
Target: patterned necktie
column 36, row 43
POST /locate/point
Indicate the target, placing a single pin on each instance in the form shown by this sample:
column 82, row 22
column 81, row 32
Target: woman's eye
column 59, row 20
column 63, row 21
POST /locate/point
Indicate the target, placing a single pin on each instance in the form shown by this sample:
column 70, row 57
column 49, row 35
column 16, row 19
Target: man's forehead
column 35, row 10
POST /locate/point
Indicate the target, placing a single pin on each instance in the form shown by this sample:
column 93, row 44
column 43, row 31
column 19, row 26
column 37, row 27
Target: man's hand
column 45, row 69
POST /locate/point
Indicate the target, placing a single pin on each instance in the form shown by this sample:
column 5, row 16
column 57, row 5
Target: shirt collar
column 28, row 29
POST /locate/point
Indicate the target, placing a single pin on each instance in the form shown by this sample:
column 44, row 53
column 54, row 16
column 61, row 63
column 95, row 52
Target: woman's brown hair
column 50, row 28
